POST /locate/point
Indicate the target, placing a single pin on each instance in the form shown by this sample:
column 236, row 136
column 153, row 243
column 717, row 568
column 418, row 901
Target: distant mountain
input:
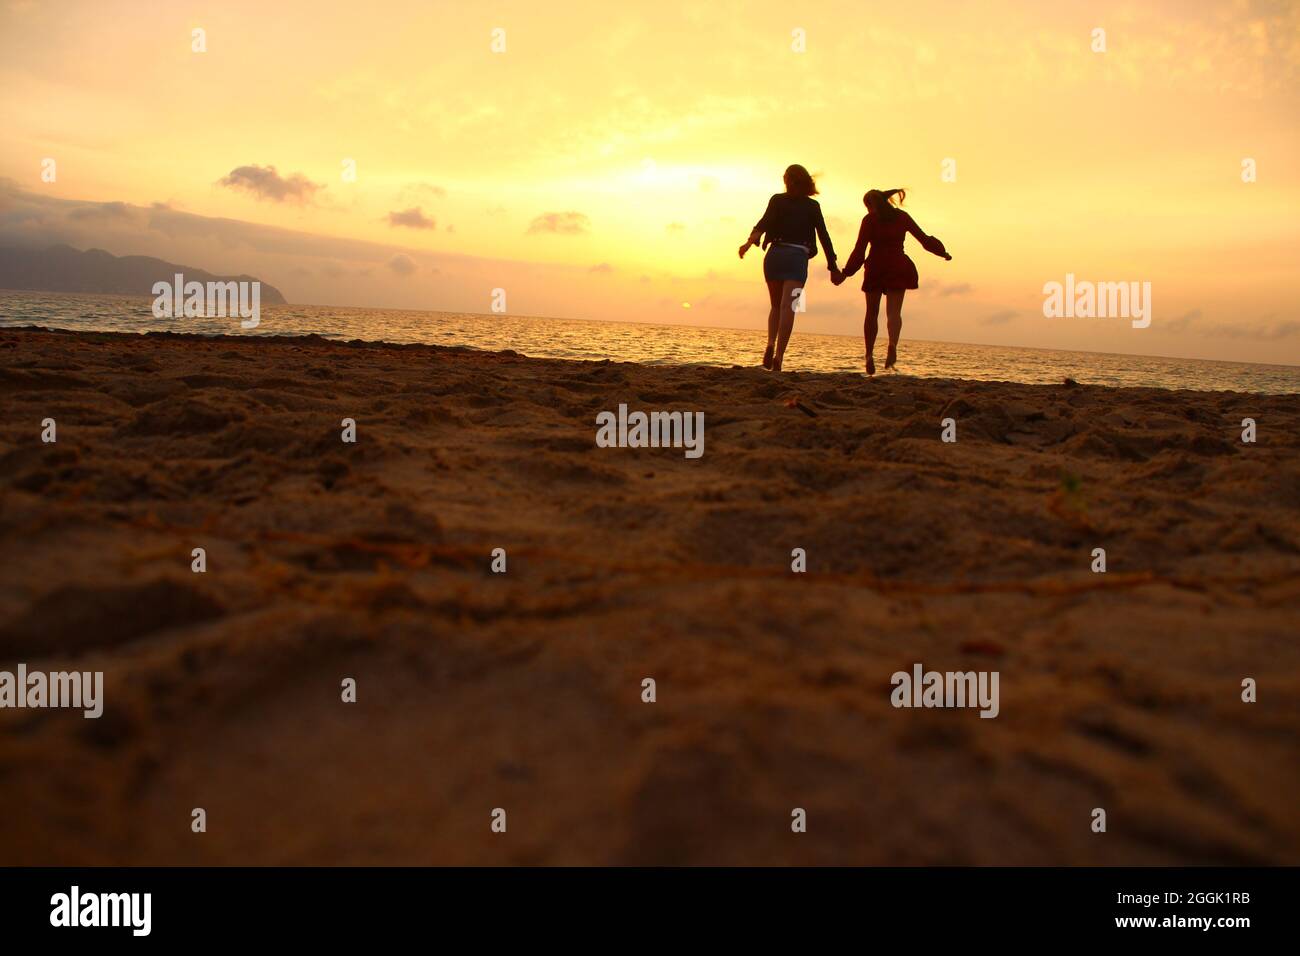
column 64, row 269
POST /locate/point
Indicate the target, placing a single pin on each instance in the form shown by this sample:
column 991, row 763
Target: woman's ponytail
column 881, row 201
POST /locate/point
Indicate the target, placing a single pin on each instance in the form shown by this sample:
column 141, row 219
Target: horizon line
column 679, row 325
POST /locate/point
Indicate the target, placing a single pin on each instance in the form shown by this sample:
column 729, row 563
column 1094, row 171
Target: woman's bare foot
column 767, row 357
column 776, row 365
column 891, row 360
column 871, row 365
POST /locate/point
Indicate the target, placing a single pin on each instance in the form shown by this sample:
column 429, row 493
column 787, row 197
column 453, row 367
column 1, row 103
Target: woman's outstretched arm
column 928, row 243
column 859, row 253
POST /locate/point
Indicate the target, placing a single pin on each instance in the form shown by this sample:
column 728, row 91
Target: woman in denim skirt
column 789, row 231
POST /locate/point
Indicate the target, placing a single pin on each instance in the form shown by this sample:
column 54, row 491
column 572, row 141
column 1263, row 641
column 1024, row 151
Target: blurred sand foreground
column 523, row 690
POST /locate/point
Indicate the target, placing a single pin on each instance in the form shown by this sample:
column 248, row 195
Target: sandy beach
column 477, row 690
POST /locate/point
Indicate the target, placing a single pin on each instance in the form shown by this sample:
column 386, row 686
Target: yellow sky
column 607, row 163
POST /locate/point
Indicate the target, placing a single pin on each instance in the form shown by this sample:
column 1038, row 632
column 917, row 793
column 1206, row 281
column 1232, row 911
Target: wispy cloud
column 413, row 218
column 103, row 210
column 1267, row 331
column 946, row 289
column 1183, row 323
column 560, row 223
column 418, row 193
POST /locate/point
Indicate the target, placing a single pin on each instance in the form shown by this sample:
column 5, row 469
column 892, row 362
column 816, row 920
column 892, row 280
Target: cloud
column 413, row 218
column 29, row 219
column 402, row 264
column 603, row 268
column 1261, row 331
column 999, row 318
column 1280, row 330
column 561, row 223
column 675, row 227
column 420, row 192
column 944, row 289
column 265, row 183
column 1183, row 323
column 1268, row 329
column 103, row 210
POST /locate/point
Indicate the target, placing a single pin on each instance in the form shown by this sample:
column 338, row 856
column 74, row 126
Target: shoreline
column 523, row 688
column 282, row 339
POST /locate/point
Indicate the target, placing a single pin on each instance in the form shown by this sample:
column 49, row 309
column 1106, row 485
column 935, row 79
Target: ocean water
column 654, row 344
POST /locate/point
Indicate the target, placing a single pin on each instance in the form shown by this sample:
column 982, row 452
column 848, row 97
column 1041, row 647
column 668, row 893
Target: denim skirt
column 784, row 263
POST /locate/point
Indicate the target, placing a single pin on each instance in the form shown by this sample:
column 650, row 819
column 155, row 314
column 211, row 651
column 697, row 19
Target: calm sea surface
column 653, row 344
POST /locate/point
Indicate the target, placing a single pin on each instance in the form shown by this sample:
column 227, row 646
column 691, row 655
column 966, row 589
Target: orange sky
column 610, row 160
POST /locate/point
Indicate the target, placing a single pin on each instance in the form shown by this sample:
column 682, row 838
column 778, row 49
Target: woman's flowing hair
column 799, row 182
column 881, row 202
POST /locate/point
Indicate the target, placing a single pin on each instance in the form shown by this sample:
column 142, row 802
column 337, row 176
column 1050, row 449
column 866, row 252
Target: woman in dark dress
column 889, row 271
column 792, row 225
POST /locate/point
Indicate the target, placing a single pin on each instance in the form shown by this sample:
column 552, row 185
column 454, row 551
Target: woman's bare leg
column 788, row 289
column 870, row 328
column 894, row 323
column 773, row 320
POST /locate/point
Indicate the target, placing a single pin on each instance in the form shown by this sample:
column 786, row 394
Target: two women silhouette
column 789, row 224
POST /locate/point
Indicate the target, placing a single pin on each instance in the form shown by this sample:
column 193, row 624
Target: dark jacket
column 796, row 219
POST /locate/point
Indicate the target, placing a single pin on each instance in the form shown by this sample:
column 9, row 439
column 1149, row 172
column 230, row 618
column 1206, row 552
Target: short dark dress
column 887, row 265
